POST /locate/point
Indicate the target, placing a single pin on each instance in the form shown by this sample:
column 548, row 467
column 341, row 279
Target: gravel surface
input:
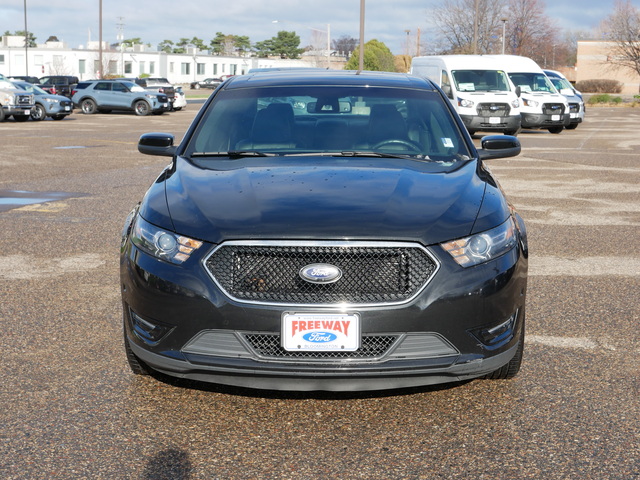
column 72, row 409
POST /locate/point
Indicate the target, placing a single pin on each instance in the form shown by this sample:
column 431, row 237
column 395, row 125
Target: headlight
column 52, row 100
column 151, row 96
column 515, row 103
column 161, row 243
column 465, row 103
column 484, row 246
column 529, row 103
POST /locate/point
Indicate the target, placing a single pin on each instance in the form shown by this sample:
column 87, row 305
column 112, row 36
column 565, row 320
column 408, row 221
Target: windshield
column 347, row 121
column 480, row 80
column 532, row 82
column 560, row 83
column 31, row 88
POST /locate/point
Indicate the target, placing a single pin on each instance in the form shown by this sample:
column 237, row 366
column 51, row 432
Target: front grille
column 162, row 99
column 372, row 274
column 268, row 346
column 23, row 99
column 553, row 109
column 65, row 103
column 493, row 109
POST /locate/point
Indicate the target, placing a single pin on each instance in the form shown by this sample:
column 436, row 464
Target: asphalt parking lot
column 72, row 409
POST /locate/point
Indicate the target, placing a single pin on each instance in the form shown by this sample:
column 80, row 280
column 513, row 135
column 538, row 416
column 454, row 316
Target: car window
column 480, row 80
column 102, row 86
column 325, row 119
column 119, row 87
column 532, row 82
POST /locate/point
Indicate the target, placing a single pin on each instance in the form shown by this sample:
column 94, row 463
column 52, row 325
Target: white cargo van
column 542, row 107
column 477, row 87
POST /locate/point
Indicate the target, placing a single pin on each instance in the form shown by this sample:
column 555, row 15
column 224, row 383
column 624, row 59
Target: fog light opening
column 498, row 335
column 150, row 333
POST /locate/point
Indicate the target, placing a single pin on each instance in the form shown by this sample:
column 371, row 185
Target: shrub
column 604, row 98
column 599, row 86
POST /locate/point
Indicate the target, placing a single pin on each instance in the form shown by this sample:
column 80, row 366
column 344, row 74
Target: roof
column 327, row 77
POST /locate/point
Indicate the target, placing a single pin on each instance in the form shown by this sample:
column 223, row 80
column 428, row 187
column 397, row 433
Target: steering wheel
column 399, row 141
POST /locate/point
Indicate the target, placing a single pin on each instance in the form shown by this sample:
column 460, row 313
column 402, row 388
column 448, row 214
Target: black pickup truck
column 59, row 84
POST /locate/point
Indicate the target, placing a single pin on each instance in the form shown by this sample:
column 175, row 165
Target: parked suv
column 59, row 84
column 46, row 104
column 158, row 84
column 106, row 95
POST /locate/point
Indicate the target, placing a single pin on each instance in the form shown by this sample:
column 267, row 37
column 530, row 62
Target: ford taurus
column 325, row 231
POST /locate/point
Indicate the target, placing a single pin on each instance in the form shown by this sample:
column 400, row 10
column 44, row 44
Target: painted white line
column 580, row 343
column 584, row 266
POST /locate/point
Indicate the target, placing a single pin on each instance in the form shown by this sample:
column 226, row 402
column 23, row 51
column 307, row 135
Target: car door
column 102, row 94
column 121, row 95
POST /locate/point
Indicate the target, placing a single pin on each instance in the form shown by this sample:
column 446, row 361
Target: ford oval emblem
column 320, row 337
column 320, row 273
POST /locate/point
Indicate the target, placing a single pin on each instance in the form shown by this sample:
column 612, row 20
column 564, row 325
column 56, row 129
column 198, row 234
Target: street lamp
column 504, row 23
column 328, row 32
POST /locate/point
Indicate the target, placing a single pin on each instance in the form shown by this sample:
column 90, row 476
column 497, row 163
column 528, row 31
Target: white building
column 55, row 58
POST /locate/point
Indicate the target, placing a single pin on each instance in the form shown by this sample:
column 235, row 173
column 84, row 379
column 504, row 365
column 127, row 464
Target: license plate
column 67, row 109
column 320, row 332
column 555, row 118
column 165, row 105
column 494, row 120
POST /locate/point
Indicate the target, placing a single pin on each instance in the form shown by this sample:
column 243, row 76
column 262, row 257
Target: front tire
column 38, row 113
column 572, row 126
column 21, row 118
column 137, row 366
column 141, row 108
column 555, row 130
column 88, row 106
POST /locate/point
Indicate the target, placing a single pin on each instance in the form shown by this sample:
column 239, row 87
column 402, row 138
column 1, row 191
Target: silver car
column 46, row 104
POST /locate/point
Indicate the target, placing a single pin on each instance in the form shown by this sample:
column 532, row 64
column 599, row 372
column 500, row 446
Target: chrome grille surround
column 374, row 273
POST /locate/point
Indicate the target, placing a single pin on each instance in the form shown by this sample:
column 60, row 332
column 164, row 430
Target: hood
column 323, row 198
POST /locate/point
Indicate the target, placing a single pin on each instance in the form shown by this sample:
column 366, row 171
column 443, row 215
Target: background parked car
column 14, row 102
column 59, row 84
column 180, row 99
column 206, row 83
column 106, row 95
column 158, row 84
column 46, row 104
column 574, row 97
column 26, row 78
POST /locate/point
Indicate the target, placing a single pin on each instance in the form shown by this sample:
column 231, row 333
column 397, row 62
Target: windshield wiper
column 233, row 154
column 353, row 153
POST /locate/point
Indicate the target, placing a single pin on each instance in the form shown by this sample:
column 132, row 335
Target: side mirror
column 499, row 146
column 160, row 144
column 518, row 91
column 447, row 91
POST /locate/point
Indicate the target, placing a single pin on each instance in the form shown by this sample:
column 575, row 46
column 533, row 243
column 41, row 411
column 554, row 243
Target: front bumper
column 541, row 120
column 434, row 336
column 491, row 124
column 17, row 110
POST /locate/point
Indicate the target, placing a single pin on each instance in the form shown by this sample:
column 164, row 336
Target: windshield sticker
column 447, row 142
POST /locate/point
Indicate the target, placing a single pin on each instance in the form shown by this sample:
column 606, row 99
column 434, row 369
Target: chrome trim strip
column 321, row 243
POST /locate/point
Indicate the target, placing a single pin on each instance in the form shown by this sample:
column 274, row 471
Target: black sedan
column 325, row 231
column 206, row 83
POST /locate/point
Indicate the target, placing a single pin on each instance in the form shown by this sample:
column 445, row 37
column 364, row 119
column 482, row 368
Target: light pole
column 361, row 52
column 328, row 32
column 504, row 23
column 26, row 41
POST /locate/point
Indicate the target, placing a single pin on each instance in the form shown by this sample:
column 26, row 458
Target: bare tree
column 456, row 21
column 531, row 32
column 622, row 29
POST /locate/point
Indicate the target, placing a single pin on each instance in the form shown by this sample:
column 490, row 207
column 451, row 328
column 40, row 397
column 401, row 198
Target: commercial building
column 55, row 58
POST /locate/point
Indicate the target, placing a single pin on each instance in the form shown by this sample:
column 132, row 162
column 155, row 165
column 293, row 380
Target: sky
column 75, row 22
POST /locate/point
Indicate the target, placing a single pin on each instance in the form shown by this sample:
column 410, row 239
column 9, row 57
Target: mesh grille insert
column 370, row 274
column 268, row 346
